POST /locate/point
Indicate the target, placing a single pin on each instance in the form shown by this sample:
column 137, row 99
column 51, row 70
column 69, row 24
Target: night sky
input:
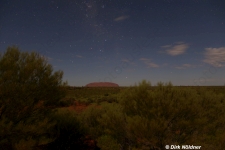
column 121, row 41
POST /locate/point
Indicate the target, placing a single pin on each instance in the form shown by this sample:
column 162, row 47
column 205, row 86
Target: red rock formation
column 102, row 84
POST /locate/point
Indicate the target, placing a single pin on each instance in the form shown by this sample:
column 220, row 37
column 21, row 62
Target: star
column 132, row 35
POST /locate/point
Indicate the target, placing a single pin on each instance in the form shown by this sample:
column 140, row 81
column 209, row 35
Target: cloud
column 125, row 60
column 121, row 18
column 187, row 65
column 128, row 61
column 144, row 59
column 149, row 63
column 177, row 49
column 215, row 56
column 166, row 46
column 184, row 66
column 79, row 56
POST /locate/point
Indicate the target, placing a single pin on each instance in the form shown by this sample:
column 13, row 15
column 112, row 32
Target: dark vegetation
column 39, row 111
column 102, row 84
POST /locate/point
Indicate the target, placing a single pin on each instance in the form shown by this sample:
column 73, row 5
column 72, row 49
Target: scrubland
column 137, row 117
column 38, row 111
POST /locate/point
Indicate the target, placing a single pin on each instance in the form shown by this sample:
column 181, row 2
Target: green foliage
column 28, row 91
column 139, row 117
column 172, row 115
column 111, row 119
column 65, row 102
column 106, row 142
column 147, row 117
column 89, row 119
column 68, row 131
column 106, row 119
column 94, row 95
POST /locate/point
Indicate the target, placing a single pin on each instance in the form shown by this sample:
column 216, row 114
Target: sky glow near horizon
column 121, row 41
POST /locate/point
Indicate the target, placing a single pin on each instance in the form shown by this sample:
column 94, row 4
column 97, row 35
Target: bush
column 147, row 117
column 169, row 115
column 29, row 90
column 106, row 122
column 68, row 132
column 106, row 142
column 66, row 102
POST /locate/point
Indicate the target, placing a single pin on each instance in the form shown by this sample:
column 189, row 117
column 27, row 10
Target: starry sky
column 121, row 41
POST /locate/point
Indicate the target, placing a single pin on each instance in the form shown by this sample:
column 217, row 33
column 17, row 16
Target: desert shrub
column 111, row 119
column 66, row 102
column 68, row 131
column 99, row 100
column 90, row 100
column 111, row 99
column 86, row 100
column 147, row 117
column 106, row 142
column 214, row 129
column 106, row 122
column 89, row 119
column 171, row 115
column 108, row 98
column 29, row 90
column 25, row 144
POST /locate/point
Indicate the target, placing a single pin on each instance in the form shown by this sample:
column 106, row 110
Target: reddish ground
column 79, row 107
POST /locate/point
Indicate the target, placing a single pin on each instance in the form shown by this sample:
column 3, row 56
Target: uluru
column 102, row 84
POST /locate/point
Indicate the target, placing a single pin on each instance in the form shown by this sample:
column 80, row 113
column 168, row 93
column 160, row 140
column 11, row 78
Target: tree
column 29, row 91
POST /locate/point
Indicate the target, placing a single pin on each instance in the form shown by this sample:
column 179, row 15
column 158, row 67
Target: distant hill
column 102, row 84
